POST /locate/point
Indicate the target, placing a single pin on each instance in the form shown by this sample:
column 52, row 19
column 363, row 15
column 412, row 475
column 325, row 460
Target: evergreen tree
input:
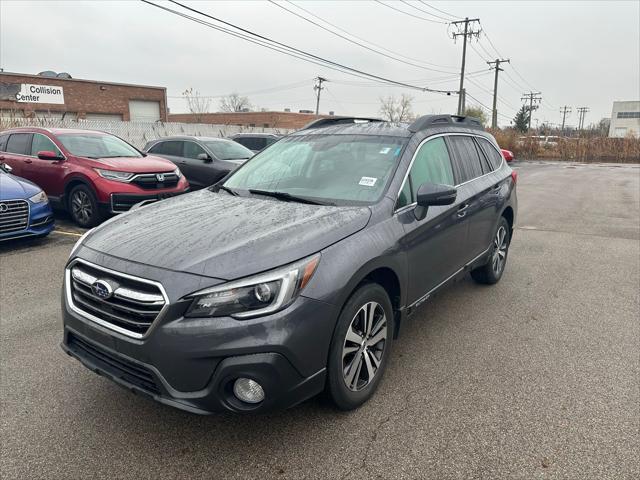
column 521, row 120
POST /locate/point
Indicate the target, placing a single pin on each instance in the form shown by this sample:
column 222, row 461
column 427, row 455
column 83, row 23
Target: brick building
column 289, row 120
column 23, row 95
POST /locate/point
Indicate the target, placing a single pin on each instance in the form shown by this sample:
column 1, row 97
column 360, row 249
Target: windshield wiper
column 287, row 196
column 228, row 190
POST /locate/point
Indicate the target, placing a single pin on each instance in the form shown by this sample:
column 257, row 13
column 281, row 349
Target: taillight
column 514, row 176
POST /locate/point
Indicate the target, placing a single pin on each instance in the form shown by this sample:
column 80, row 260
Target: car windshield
column 228, row 150
column 97, row 146
column 337, row 169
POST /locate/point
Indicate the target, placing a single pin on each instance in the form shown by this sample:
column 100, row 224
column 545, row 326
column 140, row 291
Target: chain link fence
column 139, row 133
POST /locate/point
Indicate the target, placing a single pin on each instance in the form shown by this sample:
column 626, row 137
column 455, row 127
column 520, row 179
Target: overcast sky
column 575, row 53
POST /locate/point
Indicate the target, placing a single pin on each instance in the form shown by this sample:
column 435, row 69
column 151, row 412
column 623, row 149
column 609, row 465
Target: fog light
column 248, row 390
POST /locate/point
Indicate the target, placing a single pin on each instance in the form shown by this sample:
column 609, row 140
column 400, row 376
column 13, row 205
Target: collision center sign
column 40, row 94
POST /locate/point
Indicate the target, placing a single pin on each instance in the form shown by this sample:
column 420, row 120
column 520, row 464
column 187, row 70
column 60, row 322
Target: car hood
column 12, row 187
column 148, row 164
column 223, row 236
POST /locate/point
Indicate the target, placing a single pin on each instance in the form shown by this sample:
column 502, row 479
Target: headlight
column 113, row 175
column 257, row 295
column 39, row 197
column 79, row 242
column 178, row 172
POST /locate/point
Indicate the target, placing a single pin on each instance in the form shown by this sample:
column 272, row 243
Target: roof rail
column 427, row 121
column 326, row 122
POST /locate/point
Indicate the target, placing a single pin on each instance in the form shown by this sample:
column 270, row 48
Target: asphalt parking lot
column 536, row 377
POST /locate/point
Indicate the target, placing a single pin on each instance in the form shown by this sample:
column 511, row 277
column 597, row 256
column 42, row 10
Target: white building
column 625, row 119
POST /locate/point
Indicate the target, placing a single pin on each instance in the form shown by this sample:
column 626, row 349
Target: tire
column 349, row 379
column 83, row 207
column 491, row 272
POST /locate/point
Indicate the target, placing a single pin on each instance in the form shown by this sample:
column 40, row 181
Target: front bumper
column 191, row 363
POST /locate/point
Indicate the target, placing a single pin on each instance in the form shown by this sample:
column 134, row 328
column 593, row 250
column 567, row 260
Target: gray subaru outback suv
column 294, row 274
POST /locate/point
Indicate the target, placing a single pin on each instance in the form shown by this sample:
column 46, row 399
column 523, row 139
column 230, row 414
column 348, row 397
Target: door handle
column 462, row 210
column 497, row 187
column 28, row 160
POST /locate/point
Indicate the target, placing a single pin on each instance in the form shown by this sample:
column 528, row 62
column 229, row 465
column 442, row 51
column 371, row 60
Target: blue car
column 25, row 210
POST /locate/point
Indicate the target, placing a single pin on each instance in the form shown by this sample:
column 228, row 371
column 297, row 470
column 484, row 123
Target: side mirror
column 205, row 157
column 49, row 155
column 6, row 167
column 432, row 194
column 435, row 194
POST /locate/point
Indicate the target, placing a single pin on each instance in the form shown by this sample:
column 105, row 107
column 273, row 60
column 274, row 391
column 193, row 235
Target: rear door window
column 3, row 142
column 466, row 160
column 171, row 147
column 490, row 152
column 19, row 143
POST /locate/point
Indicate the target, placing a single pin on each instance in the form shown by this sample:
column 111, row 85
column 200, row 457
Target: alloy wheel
column 364, row 345
column 499, row 251
column 81, row 206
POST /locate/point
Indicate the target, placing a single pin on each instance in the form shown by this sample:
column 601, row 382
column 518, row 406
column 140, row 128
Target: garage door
column 104, row 116
column 144, row 111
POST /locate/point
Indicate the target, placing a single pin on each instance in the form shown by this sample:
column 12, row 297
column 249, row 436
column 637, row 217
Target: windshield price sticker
column 368, row 181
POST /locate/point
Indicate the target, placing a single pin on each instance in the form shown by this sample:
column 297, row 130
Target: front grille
column 14, row 215
column 152, row 181
column 117, row 366
column 120, row 302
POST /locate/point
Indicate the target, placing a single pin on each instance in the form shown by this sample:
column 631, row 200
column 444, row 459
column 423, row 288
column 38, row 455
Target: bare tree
column 396, row 109
column 197, row 104
column 234, row 103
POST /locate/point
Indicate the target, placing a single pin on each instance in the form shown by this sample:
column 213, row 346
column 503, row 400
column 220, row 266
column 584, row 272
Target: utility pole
column 466, row 32
column 564, row 110
column 494, row 115
column 532, row 97
column 581, row 113
column 318, row 86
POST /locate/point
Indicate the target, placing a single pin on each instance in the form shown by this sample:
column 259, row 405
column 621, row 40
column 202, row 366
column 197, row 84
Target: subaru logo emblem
column 160, row 177
column 102, row 289
column 3, row 207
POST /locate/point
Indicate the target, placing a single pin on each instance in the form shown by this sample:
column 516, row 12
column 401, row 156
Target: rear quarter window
column 490, row 152
column 3, row 142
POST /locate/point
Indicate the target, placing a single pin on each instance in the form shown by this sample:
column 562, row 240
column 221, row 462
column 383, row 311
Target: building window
column 628, row 114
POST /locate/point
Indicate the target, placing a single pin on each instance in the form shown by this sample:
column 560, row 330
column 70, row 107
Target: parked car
column 255, row 141
column 203, row 160
column 24, row 208
column 91, row 174
column 507, row 154
column 296, row 273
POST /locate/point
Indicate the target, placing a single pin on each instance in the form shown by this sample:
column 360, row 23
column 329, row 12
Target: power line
column 439, row 10
column 483, row 105
column 353, row 41
column 283, row 48
column 410, row 14
column 365, row 40
column 255, row 92
column 424, row 11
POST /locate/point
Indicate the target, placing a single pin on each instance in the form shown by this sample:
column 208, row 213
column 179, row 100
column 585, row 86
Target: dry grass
column 585, row 149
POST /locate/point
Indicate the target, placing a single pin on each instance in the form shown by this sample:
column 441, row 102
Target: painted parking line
column 73, row 234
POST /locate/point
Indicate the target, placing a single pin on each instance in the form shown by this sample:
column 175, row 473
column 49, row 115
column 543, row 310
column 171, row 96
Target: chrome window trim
column 451, row 134
column 92, row 320
column 33, row 156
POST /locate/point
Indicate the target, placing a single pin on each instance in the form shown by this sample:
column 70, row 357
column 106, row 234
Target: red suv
column 91, row 174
